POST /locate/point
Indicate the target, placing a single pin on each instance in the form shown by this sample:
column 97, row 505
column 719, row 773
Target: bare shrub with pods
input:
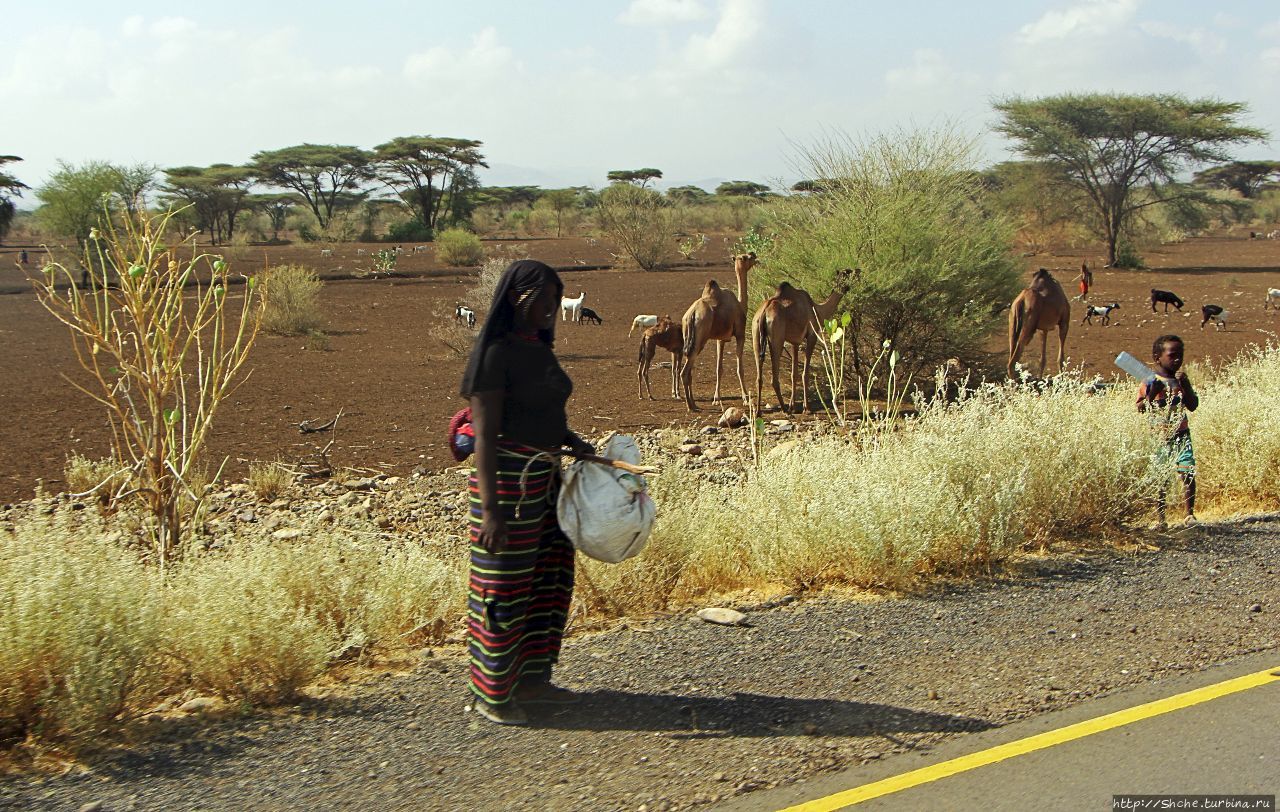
column 163, row 341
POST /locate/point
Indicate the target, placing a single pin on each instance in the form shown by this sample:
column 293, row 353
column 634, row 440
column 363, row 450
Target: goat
column 1167, row 298
column 1274, row 235
column 572, row 308
column 641, row 321
column 1099, row 310
column 590, row 315
column 420, row 248
column 1273, row 296
column 1214, row 313
column 360, row 252
column 326, row 252
column 465, row 314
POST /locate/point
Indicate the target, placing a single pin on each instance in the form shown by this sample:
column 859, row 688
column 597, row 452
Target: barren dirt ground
column 388, row 370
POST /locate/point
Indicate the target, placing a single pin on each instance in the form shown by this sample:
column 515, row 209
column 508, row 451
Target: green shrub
column 937, row 269
column 1127, row 255
column 408, row 231
column 458, row 247
column 639, row 221
column 292, row 300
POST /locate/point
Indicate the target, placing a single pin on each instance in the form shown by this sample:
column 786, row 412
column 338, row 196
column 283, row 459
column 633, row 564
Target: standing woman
column 521, row 579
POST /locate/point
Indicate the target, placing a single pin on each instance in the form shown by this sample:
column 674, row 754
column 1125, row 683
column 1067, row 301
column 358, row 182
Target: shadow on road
column 742, row 715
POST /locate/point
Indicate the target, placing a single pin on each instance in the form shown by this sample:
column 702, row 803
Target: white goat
column 1273, row 299
column 1274, row 235
column 326, row 252
column 420, row 248
column 642, row 321
column 572, row 308
column 465, row 314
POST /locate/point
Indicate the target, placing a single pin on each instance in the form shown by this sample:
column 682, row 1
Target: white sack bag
column 606, row 512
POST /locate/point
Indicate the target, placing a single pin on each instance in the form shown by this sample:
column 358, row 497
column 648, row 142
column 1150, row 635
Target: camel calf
column 668, row 335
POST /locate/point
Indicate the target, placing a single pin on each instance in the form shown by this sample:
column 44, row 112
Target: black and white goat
column 1214, row 313
column 1104, row 311
column 465, row 315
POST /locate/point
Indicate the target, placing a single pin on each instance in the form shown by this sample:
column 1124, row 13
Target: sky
column 562, row 91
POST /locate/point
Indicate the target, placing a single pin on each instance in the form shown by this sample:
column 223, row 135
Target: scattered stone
column 362, row 484
column 200, row 703
column 782, row 425
column 710, row 430
column 287, row 534
column 246, row 516
column 692, row 449
column 933, row 693
column 732, row 418
column 279, row 504
column 92, row 806
column 1257, row 607
column 781, row 449
column 722, row 616
column 715, row 453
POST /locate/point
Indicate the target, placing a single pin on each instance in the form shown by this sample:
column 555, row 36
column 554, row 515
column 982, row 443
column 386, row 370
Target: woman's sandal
column 508, row 713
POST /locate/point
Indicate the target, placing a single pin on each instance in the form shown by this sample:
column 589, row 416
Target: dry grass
column 269, row 480
column 103, row 477
column 92, row 635
column 291, row 295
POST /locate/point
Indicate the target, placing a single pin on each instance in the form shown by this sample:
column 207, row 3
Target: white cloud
column 663, row 12
column 485, row 59
column 1206, row 43
column 737, row 31
column 1091, row 17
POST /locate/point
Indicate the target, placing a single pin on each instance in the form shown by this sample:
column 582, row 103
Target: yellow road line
column 1030, row 744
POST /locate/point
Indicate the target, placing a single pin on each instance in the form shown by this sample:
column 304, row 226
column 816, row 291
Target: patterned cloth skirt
column 518, row 600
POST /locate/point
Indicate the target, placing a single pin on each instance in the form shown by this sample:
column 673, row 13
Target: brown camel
column 667, row 335
column 717, row 316
column 792, row 317
column 1039, row 308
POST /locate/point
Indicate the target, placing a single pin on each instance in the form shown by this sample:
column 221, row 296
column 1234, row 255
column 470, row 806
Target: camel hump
column 785, row 290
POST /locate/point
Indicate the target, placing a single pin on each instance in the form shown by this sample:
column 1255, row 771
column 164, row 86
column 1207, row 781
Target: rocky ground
column 680, row 713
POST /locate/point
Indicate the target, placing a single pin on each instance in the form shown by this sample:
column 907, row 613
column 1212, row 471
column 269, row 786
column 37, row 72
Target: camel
column 667, row 335
column 1039, row 308
column 717, row 316
column 792, row 317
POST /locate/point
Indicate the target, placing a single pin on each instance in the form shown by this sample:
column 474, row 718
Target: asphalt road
column 1226, row 745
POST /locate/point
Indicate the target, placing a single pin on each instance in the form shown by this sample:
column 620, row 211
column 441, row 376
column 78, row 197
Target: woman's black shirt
column 534, row 390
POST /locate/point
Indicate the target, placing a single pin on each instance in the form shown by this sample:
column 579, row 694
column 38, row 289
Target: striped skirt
column 518, row 600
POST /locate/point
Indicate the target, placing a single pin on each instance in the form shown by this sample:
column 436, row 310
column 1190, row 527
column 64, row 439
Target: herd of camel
column 792, row 317
column 789, row 317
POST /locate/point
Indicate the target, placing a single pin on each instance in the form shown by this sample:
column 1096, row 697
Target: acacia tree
column 276, row 207
column 638, row 177
column 9, row 185
column 431, row 175
column 216, row 194
column 560, row 201
column 73, row 197
column 319, row 173
column 1110, row 145
column 742, row 188
column 132, row 185
column 1246, row 177
column 687, row 195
